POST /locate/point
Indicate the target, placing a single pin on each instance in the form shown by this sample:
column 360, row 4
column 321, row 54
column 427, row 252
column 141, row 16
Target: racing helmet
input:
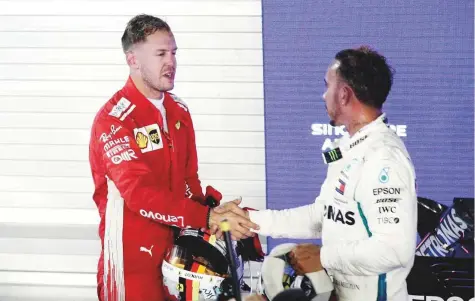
column 196, row 267
column 279, row 281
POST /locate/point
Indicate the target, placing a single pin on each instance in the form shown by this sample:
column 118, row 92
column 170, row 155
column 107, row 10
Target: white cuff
column 321, row 281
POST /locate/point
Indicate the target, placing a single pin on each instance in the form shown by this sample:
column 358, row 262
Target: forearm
column 300, row 222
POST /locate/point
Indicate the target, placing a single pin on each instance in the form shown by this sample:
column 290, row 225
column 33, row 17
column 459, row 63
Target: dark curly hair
column 139, row 28
column 367, row 73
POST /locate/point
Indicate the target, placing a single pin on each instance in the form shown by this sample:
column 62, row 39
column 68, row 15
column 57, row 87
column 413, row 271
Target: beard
column 332, row 121
column 334, row 115
column 155, row 85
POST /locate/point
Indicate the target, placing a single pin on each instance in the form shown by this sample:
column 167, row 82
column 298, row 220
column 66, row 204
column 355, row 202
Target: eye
column 161, row 54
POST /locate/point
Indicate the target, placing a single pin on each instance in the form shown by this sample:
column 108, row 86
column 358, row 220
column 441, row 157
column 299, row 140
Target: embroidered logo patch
column 341, row 188
column 384, row 175
column 148, row 138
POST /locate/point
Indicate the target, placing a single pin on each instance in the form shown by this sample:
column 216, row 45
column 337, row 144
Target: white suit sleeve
column 299, row 222
column 387, row 204
column 322, row 284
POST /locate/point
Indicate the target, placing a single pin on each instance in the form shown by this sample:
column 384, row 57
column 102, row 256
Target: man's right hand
column 238, row 219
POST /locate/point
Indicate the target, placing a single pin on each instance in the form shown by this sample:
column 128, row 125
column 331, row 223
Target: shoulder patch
column 180, row 102
column 122, row 109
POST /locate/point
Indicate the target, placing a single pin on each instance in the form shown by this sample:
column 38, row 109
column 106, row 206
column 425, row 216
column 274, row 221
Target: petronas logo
column 384, row 175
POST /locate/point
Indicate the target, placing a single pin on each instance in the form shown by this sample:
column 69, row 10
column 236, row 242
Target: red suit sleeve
column 193, row 183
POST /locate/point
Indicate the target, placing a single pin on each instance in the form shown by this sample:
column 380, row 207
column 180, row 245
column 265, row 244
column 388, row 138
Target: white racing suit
column 366, row 216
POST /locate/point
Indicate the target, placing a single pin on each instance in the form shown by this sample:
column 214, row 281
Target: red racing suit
column 141, row 175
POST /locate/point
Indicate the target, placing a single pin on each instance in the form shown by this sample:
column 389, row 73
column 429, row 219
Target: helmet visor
column 181, row 258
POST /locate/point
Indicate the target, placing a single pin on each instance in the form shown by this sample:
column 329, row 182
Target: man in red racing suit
column 144, row 162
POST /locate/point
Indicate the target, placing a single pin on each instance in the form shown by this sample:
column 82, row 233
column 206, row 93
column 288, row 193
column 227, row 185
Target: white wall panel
column 128, row 7
column 101, row 40
column 60, row 23
column 56, row 279
column 118, row 72
column 31, row 292
column 209, row 57
column 60, row 61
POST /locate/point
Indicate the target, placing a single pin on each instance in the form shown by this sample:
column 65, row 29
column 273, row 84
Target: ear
column 345, row 95
column 131, row 58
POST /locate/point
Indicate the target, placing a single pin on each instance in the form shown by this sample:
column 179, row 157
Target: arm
column 299, row 222
column 142, row 190
column 192, row 180
column 391, row 219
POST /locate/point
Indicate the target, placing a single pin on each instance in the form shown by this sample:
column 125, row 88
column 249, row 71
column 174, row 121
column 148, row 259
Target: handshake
column 241, row 227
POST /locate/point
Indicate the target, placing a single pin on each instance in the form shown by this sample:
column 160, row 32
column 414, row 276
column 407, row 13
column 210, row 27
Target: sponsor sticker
column 341, row 187
column 388, row 220
column 176, row 220
column 119, row 108
column 386, row 190
column 148, row 138
column 127, row 155
column 387, row 209
column 108, row 136
column 384, row 175
column 358, row 141
column 332, row 155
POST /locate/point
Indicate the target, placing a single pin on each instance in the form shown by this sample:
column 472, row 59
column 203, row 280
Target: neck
column 145, row 89
column 361, row 119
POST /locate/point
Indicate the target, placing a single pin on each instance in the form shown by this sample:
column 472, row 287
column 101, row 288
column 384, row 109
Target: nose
column 171, row 59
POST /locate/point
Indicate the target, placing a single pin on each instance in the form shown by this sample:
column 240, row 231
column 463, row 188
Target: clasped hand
column 240, row 224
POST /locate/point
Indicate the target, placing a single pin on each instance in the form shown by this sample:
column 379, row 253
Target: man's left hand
column 305, row 258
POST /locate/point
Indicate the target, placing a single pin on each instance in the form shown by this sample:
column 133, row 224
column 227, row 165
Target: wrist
column 208, row 218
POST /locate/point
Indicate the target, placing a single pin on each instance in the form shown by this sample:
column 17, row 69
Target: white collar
column 363, row 133
column 348, row 143
column 158, row 102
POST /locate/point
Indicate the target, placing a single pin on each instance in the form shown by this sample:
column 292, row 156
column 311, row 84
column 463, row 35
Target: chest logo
column 339, row 216
column 154, row 136
column 341, row 187
column 148, row 138
column 384, row 175
column 142, row 140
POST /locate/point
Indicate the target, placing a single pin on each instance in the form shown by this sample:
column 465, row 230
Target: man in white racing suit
column 366, row 213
